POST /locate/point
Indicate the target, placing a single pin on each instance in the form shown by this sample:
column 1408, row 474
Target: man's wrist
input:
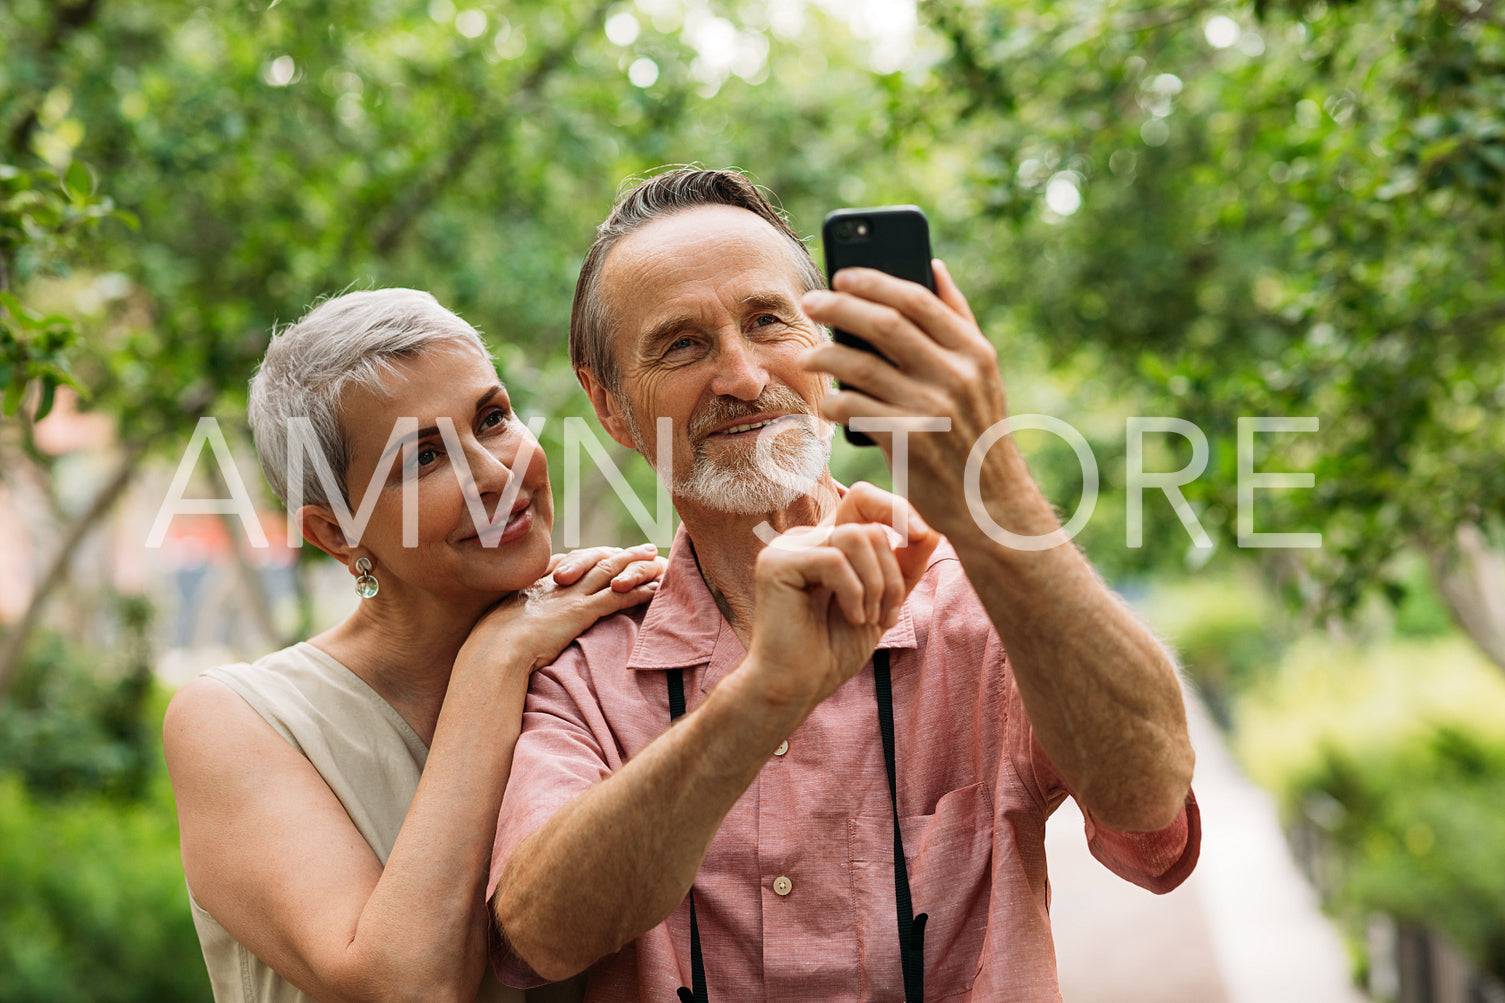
column 770, row 712
column 1003, row 515
column 1005, row 497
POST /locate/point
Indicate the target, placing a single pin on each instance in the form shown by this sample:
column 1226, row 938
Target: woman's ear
column 608, row 408
column 320, row 528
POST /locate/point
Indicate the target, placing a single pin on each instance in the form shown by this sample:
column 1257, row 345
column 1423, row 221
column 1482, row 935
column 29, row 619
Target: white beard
column 787, row 461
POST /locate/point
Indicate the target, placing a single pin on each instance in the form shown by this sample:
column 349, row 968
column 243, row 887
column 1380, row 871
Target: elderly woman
column 338, row 799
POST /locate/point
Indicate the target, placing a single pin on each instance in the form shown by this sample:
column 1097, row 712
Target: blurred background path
column 1244, row 928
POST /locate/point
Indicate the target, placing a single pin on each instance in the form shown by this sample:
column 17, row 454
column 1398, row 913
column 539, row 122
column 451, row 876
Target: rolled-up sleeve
column 1157, row 861
column 559, row 756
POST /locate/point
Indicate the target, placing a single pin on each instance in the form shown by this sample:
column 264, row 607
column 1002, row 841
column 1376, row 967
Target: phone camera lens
column 854, row 229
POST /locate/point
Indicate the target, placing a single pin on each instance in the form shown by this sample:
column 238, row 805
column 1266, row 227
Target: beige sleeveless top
column 367, row 754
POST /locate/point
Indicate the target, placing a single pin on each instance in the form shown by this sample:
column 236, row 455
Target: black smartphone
column 893, row 239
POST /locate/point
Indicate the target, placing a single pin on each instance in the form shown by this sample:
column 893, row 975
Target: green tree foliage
column 93, row 906
column 1299, row 215
column 1389, row 762
column 78, row 724
column 42, row 216
column 1419, row 836
column 277, row 152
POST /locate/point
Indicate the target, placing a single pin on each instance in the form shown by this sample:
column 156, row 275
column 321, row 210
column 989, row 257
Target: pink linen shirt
column 795, row 897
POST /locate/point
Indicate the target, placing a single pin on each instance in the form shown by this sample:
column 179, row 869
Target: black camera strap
column 697, row 963
column 911, row 927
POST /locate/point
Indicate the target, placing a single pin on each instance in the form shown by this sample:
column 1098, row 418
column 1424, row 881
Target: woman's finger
column 607, row 601
column 638, row 573
column 613, row 563
column 578, row 562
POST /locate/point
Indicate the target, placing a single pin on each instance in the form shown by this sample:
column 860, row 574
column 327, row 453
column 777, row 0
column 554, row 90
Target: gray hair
column 346, row 341
column 652, row 199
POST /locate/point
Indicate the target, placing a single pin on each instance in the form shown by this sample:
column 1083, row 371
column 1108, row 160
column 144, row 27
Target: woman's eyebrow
column 428, row 430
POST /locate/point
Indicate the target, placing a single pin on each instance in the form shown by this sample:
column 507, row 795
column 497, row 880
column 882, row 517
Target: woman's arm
column 270, row 852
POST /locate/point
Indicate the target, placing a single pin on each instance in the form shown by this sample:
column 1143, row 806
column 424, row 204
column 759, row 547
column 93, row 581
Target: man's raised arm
column 1101, row 691
column 617, row 860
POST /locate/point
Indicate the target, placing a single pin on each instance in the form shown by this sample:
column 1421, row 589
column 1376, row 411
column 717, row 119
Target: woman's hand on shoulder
column 579, row 588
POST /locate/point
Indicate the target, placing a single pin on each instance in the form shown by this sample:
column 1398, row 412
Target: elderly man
column 799, row 834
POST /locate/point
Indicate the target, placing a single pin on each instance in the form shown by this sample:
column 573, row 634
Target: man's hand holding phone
column 893, row 239
column 935, row 363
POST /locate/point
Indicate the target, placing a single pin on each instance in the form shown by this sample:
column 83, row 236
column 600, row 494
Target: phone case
column 893, row 239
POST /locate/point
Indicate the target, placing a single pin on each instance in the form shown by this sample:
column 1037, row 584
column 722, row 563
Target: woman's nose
column 490, row 472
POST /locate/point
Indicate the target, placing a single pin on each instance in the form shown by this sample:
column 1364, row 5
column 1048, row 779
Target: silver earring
column 366, row 585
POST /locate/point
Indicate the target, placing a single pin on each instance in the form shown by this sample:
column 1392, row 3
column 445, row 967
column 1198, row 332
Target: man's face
column 709, row 333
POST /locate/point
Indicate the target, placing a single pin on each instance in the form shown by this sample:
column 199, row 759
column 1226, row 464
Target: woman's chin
column 521, row 571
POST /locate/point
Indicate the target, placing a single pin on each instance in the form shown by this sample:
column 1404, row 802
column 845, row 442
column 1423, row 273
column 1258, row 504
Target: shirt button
column 783, row 748
column 782, row 885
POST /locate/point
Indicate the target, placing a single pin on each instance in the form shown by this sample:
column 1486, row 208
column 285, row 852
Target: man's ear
column 322, row 529
column 608, row 408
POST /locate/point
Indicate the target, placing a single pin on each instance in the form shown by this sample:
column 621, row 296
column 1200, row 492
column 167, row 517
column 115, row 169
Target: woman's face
column 491, row 458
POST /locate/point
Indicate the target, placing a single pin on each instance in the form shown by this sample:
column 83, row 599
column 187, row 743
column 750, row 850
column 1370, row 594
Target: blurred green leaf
column 78, row 182
column 49, row 393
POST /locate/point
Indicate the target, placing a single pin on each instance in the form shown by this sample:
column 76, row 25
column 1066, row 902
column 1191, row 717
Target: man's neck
column 727, row 546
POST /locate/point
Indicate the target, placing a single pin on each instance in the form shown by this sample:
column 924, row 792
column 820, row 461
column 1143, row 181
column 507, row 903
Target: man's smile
column 752, row 424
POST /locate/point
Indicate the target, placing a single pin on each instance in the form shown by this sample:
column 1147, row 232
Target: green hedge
column 93, row 906
column 1397, row 753
column 1224, row 633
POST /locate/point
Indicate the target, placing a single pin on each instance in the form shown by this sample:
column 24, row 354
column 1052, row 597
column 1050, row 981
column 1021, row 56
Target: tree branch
column 14, row 650
column 1470, row 574
column 422, row 193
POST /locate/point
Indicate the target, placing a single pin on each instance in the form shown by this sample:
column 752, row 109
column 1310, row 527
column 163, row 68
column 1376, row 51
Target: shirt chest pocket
column 949, row 855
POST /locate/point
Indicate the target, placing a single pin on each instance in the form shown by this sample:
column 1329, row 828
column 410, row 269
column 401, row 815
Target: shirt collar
column 683, row 623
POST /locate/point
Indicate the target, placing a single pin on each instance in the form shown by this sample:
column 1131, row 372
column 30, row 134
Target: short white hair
column 345, row 341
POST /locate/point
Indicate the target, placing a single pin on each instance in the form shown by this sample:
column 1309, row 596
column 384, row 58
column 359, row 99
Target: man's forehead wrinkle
column 688, row 271
column 685, row 301
column 731, row 297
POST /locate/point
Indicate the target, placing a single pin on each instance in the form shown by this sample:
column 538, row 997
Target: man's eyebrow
column 767, row 301
column 665, row 330
column 428, row 430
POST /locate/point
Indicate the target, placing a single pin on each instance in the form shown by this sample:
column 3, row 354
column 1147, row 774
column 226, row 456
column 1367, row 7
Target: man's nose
column 740, row 371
